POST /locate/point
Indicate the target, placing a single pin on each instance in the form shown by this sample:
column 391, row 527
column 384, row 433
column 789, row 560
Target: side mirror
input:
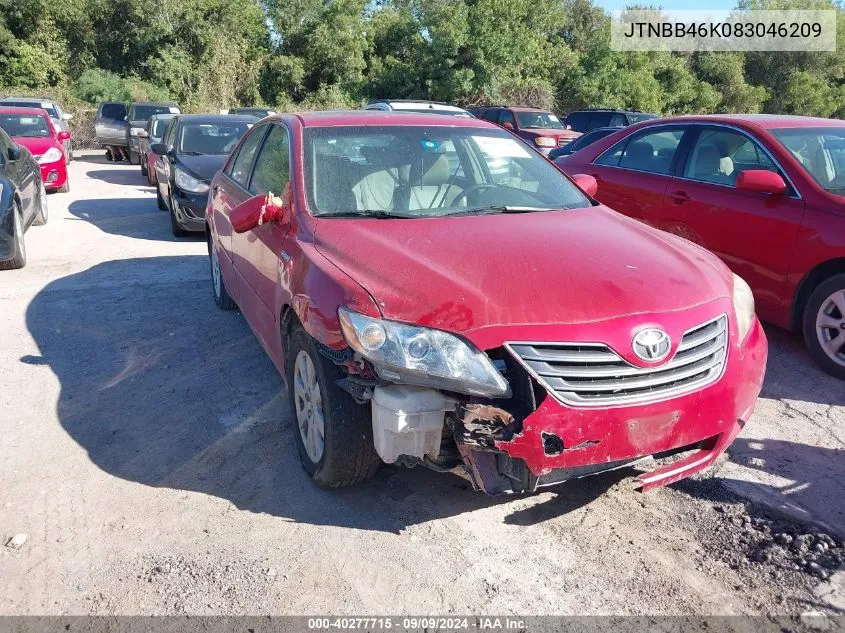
column 761, row 181
column 162, row 149
column 508, row 125
column 260, row 210
column 14, row 153
column 67, row 116
column 588, row 184
column 64, row 135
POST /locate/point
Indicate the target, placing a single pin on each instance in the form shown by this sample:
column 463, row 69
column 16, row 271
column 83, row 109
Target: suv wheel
column 824, row 325
column 333, row 433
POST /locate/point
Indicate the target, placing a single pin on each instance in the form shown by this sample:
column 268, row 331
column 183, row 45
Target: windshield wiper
column 368, row 213
column 495, row 209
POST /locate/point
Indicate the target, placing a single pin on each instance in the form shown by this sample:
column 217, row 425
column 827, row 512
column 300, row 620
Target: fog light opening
column 552, row 444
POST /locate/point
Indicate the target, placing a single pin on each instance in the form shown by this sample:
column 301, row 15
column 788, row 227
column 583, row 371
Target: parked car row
column 119, row 127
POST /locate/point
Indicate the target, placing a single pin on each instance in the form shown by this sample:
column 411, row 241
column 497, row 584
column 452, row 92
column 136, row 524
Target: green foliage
column 301, row 54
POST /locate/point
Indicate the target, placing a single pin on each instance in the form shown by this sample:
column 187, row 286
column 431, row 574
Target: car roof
column 153, row 103
column 380, row 117
column 19, row 110
column 38, row 99
column 764, row 121
column 215, row 118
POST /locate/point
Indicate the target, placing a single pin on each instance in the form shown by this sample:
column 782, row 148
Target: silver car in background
column 59, row 118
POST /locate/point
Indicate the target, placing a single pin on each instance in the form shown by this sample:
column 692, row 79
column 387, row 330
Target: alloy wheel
column 308, row 402
column 830, row 326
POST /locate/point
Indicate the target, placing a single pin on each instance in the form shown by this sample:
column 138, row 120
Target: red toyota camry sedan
column 765, row 193
column 436, row 293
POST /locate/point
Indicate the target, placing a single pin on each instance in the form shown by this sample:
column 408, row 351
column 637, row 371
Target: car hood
column 556, row 267
column 204, row 166
column 36, row 146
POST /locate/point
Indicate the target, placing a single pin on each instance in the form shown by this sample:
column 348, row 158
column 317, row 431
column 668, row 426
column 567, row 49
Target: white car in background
column 59, row 118
column 409, row 105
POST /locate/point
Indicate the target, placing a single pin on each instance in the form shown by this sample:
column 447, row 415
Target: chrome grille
column 591, row 374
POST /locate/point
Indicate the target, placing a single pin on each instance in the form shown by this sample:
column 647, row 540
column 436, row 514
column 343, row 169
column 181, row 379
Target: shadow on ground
column 161, row 388
column 122, row 176
column 792, row 375
column 132, row 217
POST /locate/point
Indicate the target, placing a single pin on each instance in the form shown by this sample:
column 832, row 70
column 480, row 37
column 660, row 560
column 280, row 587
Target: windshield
column 429, row 171
column 158, row 128
column 821, row 152
column 25, row 125
column 50, row 108
column 210, row 138
column 636, row 117
column 544, row 120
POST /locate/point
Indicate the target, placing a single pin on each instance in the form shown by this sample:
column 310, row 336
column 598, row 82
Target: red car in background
column 437, row 294
column 33, row 129
column 765, row 193
column 540, row 128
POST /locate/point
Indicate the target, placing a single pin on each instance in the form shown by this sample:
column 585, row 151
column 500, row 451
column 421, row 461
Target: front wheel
column 133, row 157
column 65, row 187
column 143, row 160
column 162, row 205
column 333, row 433
column 824, row 325
column 178, row 231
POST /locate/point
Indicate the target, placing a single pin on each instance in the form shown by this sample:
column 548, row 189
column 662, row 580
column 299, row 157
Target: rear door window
column 272, row 166
column 599, row 119
column 719, row 156
column 650, row 150
column 114, row 111
column 241, row 167
column 578, row 121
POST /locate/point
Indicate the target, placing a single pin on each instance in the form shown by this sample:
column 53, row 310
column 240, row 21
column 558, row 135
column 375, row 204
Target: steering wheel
column 465, row 194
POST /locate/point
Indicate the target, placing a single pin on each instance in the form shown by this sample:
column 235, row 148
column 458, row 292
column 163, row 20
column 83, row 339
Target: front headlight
column 422, row 356
column 545, row 141
column 186, row 182
column 50, row 156
column 743, row 301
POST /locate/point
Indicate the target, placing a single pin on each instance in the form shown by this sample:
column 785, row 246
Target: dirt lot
column 146, row 456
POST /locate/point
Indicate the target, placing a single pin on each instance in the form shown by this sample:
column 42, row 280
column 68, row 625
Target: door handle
column 679, row 197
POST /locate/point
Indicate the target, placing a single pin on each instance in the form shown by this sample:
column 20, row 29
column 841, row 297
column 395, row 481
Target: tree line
column 303, row 54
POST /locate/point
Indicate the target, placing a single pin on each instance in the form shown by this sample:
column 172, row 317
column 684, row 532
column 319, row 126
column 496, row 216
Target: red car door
column 257, row 252
column 753, row 233
column 634, row 173
column 228, row 191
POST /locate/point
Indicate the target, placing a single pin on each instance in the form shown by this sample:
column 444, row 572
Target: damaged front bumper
column 533, row 439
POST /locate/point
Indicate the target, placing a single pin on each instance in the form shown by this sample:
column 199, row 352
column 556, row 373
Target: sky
column 711, row 5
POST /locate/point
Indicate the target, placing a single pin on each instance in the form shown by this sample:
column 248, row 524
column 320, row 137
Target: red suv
column 765, row 193
column 542, row 129
column 435, row 293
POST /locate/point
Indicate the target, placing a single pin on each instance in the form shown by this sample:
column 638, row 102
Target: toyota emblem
column 652, row 345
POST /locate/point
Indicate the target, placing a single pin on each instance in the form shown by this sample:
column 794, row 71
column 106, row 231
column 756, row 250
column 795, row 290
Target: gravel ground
column 147, row 467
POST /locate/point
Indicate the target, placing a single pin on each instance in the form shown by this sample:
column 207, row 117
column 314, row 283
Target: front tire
column 18, row 260
column 143, row 160
column 133, row 157
column 41, row 216
column 162, row 205
column 178, row 231
column 65, row 188
column 333, row 433
column 824, row 325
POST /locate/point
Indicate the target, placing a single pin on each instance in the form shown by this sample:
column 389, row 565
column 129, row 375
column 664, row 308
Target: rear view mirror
column 14, row 152
column 588, row 184
column 761, row 181
column 260, row 210
column 64, row 135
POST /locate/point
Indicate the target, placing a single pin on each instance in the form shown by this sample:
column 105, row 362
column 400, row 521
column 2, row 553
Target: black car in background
column 23, row 201
column 152, row 135
column 194, row 148
column 582, row 141
column 256, row 112
column 591, row 118
column 137, row 116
